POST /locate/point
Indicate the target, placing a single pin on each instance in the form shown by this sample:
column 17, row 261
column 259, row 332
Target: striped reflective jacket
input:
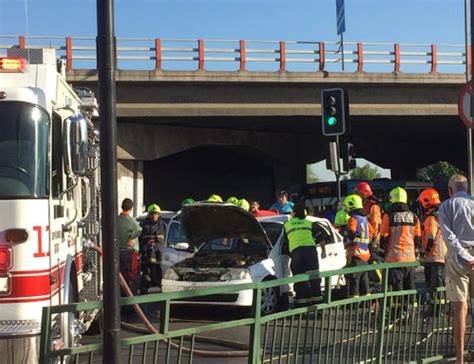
column 358, row 226
column 401, row 228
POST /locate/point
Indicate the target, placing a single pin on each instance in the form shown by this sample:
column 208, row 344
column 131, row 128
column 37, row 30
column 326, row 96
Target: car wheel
column 270, row 298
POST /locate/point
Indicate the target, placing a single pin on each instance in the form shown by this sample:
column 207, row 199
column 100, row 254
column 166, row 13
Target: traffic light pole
column 338, row 173
column 106, row 67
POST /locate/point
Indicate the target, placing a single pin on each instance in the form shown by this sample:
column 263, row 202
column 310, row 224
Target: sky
column 392, row 21
column 414, row 21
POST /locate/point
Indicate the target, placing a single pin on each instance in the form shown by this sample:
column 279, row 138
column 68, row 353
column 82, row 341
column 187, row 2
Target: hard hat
column 363, row 189
column 353, row 202
column 214, row 198
column 398, row 194
column 429, row 197
column 187, row 201
column 243, row 203
column 233, row 200
column 153, row 208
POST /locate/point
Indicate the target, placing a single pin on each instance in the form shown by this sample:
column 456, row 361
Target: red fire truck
column 49, row 200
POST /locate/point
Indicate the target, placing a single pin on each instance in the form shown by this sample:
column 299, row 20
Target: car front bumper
column 239, row 298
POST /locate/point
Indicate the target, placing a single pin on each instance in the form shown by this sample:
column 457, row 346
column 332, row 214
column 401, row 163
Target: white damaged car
column 234, row 248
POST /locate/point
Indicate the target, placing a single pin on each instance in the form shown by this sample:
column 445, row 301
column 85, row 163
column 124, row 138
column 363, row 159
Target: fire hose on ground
column 150, row 329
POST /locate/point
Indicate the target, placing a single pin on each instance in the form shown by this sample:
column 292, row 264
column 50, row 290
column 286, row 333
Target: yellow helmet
column 398, row 194
column 353, row 202
column 214, row 198
column 243, row 203
column 153, row 208
column 233, row 200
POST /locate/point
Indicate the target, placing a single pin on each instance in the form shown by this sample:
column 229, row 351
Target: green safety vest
column 299, row 232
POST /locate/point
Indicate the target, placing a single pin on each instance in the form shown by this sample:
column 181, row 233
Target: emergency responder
column 304, row 257
column 433, row 248
column 359, row 233
column 233, row 200
column 340, row 221
column 400, row 236
column 151, row 246
column 244, row 204
column 214, row 198
column 187, row 201
column 374, row 215
column 371, row 207
column 128, row 230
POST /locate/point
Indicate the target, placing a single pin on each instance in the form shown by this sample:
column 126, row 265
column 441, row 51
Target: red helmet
column 364, row 189
column 429, row 198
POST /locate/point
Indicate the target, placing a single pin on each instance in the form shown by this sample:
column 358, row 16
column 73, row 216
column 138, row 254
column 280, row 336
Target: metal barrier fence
column 250, row 55
column 403, row 326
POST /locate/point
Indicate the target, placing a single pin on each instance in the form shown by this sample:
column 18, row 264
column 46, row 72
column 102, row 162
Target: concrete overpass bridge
column 247, row 132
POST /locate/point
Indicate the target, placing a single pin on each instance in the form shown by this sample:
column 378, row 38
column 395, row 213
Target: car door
column 174, row 235
column 335, row 252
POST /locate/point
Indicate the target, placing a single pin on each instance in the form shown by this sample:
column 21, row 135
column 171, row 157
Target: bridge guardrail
column 405, row 326
column 250, row 55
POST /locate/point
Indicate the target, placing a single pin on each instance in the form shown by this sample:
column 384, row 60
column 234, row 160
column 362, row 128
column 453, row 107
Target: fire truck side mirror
column 76, row 145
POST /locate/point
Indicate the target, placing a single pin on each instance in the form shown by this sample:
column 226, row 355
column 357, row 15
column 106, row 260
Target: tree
column 438, row 172
column 365, row 173
column 311, row 176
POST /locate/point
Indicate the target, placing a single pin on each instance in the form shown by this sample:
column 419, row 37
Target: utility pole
column 106, row 67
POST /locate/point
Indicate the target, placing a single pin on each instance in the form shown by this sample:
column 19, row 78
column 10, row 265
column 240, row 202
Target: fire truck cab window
column 57, row 157
column 23, row 150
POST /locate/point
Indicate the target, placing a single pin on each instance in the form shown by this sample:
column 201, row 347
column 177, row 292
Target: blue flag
column 340, row 17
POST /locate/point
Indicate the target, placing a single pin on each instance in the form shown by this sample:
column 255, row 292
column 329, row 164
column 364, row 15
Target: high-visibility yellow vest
column 299, row 232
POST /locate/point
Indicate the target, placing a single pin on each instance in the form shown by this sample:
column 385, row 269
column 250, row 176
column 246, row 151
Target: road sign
column 464, row 105
column 340, row 17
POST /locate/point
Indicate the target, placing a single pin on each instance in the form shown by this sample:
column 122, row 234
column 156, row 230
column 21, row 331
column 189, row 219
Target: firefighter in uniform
column 151, row 245
column 359, row 233
column 400, row 235
column 433, row 248
column 304, row 257
column 374, row 215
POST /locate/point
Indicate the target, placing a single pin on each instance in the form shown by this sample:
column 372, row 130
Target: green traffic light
column 332, row 121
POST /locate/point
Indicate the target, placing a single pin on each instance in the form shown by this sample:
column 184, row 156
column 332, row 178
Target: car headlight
column 171, row 275
column 235, row 274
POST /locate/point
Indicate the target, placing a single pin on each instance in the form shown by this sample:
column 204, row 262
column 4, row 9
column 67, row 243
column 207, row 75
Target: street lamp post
column 106, row 67
column 469, row 71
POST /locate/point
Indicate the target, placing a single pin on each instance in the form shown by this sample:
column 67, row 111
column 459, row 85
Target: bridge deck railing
column 254, row 55
column 402, row 326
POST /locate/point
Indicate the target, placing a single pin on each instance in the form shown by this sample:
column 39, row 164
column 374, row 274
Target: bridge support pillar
column 289, row 176
column 130, row 183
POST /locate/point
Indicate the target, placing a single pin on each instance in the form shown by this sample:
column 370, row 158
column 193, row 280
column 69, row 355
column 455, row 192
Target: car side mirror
column 181, row 246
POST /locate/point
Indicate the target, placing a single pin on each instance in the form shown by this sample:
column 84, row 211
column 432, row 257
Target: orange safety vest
column 401, row 228
column 374, row 214
column 431, row 230
column 359, row 247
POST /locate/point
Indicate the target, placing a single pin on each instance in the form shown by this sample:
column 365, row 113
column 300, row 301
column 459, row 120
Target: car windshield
column 240, row 245
column 273, row 230
column 23, row 150
column 176, row 234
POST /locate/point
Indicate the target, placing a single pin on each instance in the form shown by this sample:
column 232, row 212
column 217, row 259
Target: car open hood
column 204, row 221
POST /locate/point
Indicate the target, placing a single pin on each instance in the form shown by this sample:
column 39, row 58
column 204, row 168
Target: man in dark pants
column 151, row 245
column 359, row 234
column 304, row 256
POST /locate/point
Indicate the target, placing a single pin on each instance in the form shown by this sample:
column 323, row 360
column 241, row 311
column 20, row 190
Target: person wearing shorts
column 456, row 217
